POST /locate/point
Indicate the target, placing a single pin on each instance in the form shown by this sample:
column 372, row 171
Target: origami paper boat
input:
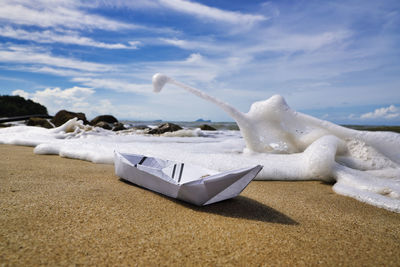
column 182, row 181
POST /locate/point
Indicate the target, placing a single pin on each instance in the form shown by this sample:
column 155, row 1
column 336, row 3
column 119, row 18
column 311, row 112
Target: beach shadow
column 330, row 183
column 239, row 207
column 243, row 208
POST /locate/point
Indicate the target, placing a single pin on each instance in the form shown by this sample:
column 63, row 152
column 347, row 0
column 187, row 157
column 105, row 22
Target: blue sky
column 336, row 60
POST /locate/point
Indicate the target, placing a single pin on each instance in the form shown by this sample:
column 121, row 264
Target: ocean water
column 290, row 146
column 185, row 124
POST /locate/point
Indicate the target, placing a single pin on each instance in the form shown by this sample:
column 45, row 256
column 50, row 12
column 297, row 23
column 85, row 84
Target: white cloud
column 115, row 85
column 122, row 111
column 56, row 99
column 272, row 40
column 137, row 4
column 29, row 55
column 74, row 94
column 390, row 112
column 64, row 14
column 180, row 43
column 278, row 40
column 207, row 46
column 81, row 99
column 56, row 71
column 189, row 7
column 193, row 68
column 21, row 93
column 213, row 13
column 134, row 44
column 65, row 37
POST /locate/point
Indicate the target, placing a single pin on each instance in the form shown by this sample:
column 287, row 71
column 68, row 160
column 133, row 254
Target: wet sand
column 57, row 211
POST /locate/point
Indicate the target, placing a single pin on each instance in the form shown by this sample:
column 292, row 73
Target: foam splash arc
column 272, row 126
column 368, row 171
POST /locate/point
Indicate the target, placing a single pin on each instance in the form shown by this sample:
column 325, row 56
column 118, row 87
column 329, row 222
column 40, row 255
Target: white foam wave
column 367, row 176
column 366, row 159
column 290, row 146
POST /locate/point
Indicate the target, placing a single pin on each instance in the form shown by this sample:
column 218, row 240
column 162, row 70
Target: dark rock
column 63, row 116
column 39, row 122
column 118, row 127
column 105, row 118
column 103, row 125
column 24, row 117
column 141, row 127
column 206, row 127
column 165, row 127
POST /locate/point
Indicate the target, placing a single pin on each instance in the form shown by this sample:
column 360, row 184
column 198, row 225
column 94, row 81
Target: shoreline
column 58, row 211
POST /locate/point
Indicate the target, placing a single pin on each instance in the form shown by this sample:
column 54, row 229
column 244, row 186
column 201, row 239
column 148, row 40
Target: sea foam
column 290, row 145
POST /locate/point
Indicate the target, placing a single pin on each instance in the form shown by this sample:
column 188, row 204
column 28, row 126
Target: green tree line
column 11, row 106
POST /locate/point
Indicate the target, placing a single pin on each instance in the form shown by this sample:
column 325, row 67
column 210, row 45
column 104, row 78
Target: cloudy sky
column 336, row 60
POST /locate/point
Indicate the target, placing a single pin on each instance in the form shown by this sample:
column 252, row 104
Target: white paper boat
column 186, row 182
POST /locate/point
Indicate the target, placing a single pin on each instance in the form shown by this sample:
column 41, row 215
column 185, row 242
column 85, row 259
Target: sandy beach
column 57, row 211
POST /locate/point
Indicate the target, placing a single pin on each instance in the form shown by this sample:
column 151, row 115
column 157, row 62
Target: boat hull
column 150, row 174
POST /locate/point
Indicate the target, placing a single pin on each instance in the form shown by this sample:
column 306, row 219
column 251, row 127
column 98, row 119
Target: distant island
column 201, row 120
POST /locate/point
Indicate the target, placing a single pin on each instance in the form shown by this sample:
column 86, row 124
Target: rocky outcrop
column 63, row 116
column 105, row 118
column 11, row 106
column 141, row 127
column 165, row 127
column 206, row 127
column 103, row 125
column 39, row 122
column 118, row 126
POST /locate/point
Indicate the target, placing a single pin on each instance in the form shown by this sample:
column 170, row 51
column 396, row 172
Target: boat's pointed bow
column 218, row 187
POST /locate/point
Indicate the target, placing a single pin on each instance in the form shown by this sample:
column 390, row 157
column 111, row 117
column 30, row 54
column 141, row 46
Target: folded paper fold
column 182, row 181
